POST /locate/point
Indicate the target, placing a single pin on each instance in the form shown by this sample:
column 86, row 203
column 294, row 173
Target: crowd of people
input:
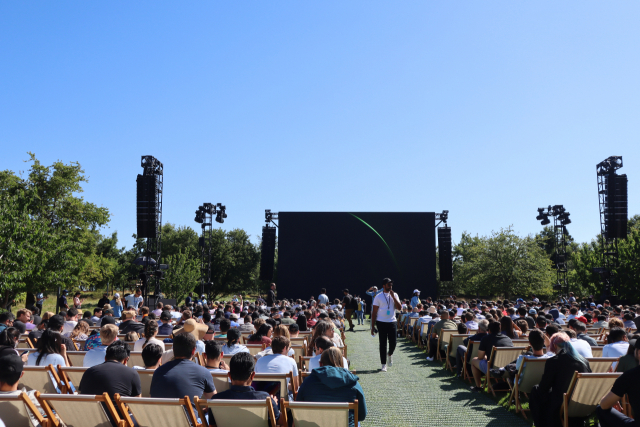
column 211, row 328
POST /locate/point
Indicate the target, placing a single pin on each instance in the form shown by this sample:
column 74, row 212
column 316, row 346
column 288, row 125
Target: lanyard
column 388, row 301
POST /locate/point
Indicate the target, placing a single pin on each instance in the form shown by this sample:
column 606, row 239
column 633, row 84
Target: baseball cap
column 416, row 291
column 11, row 365
column 165, row 315
column 386, row 280
column 532, row 311
column 345, row 290
column 108, row 320
column 116, row 295
column 593, row 304
column 56, row 322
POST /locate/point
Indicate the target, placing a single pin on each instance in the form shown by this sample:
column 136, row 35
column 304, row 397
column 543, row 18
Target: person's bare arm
column 609, row 400
column 481, row 354
column 208, row 395
column 396, row 301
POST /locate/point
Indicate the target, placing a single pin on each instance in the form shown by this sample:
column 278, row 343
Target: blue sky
column 487, row 109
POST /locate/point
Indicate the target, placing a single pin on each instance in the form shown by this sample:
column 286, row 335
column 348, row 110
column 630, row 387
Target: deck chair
column 24, row 343
column 411, row 321
column 298, row 352
column 597, row 351
column 157, row 412
column 76, row 358
column 317, row 414
column 135, row 359
column 584, row 394
column 299, row 340
column 71, row 376
column 600, row 365
column 227, row 358
column 304, row 362
column 454, row 341
column 80, row 410
column 443, row 341
column 255, row 348
column 15, row 411
column 303, row 376
column 422, row 335
column 529, row 375
column 499, row 358
column 220, row 381
column 146, row 376
column 80, row 344
column 233, row 413
column 284, row 379
column 472, row 351
column 40, row 378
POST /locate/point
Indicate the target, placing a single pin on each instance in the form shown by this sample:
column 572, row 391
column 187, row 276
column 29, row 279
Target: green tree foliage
column 503, row 264
column 182, row 276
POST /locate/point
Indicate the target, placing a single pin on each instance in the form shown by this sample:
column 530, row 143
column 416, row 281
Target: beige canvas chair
column 71, row 375
column 234, row 413
column 601, row 364
column 135, row 359
column 584, row 394
column 76, row 358
column 304, row 362
column 80, row 410
column 472, row 351
column 284, row 379
column 298, row 352
column 255, row 348
column 455, row 340
column 15, row 411
column 299, row 340
column 146, row 376
column 316, row 414
column 220, row 381
column 422, row 335
column 410, row 322
column 597, row 351
column 79, row 344
column 24, row 343
column 529, row 375
column 499, row 358
column 443, row 341
column 303, row 376
column 157, row 412
column 44, row 379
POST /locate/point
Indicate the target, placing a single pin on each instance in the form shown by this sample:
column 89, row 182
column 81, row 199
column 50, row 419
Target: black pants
column 387, row 330
column 613, row 418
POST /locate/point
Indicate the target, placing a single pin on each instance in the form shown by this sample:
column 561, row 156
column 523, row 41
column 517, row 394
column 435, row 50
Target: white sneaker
column 429, row 359
column 384, row 368
column 390, row 357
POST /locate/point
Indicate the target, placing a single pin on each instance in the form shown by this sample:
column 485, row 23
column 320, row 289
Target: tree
column 182, row 276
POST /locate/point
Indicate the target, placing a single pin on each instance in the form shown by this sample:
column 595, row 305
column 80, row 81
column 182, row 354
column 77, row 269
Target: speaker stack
column 147, row 202
column 268, row 253
column 444, row 254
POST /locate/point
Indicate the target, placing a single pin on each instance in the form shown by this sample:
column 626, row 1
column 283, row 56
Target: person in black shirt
column 627, row 384
column 479, row 364
column 113, row 376
column 271, row 296
column 483, row 325
column 104, row 300
column 241, row 372
column 56, row 323
column 130, row 324
column 63, row 305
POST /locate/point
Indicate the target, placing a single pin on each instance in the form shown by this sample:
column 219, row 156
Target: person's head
column 468, row 316
column 444, row 314
column 580, row 327
column 523, row 325
column 323, row 291
column 494, row 328
column 131, row 336
column 81, row 328
column 617, row 334
column 536, row 339
column 551, row 329
column 273, row 286
column 10, row 337
column 72, row 313
column 165, row 317
column 212, row 352
column 241, row 368
column 108, row 334
column 50, row 342
column 614, row 322
column 332, row 357
column 23, row 315
column 387, row 285
column 263, row 331
column 225, row 325
column 11, row 367
column 151, row 356
column 280, row 345
column 184, row 346
column 506, row 324
column 522, row 311
column 294, row 330
column 483, row 326
column 281, row 331
column 541, row 322
column 322, row 343
column 117, row 351
column 233, row 336
column 97, row 312
column 555, row 339
column 462, row 328
column 138, row 292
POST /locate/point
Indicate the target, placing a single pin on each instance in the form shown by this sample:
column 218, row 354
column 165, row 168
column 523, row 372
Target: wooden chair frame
column 57, row 382
column 452, row 338
column 515, row 391
column 278, row 377
column 472, row 351
column 185, row 402
column 566, row 398
column 44, row 400
column 24, row 398
column 202, row 405
column 491, row 362
column 284, row 405
column 441, row 341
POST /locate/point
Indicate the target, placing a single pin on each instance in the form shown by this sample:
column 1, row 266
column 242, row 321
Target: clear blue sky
column 487, row 109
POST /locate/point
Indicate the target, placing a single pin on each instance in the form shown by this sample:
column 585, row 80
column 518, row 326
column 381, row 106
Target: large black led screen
column 355, row 250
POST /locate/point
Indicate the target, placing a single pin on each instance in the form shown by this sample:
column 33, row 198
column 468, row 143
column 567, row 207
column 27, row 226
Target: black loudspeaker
column 147, row 201
column 268, row 252
column 444, row 254
column 616, row 213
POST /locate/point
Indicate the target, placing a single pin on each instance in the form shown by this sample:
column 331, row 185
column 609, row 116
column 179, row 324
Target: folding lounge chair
column 15, row 411
column 472, row 351
column 455, row 340
column 135, row 359
column 40, row 378
column 315, row 414
column 597, row 351
column 601, row 365
column 76, row 358
column 146, row 376
column 443, row 341
column 283, row 379
column 80, row 410
column 157, row 412
column 220, row 382
column 234, row 413
column 529, row 375
column 71, row 376
column 499, row 358
column 584, row 394
column 255, row 348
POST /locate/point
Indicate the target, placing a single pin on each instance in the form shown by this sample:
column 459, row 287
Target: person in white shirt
column 95, row 356
column 619, row 344
column 232, row 346
column 582, row 347
column 213, row 358
column 383, row 317
column 279, row 362
column 51, row 350
column 158, row 310
column 323, row 298
column 135, row 300
column 321, row 344
column 150, row 332
column 71, row 320
column 471, row 324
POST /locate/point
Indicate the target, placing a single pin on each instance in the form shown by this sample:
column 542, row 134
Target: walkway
column 415, row 392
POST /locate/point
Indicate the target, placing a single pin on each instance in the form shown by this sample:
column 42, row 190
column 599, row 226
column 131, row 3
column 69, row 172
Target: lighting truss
column 560, row 222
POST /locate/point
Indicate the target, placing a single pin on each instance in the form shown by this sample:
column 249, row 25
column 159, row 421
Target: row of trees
column 50, row 237
column 505, row 264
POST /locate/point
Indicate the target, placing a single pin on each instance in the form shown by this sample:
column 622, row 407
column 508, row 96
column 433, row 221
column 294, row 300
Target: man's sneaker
column 390, row 356
column 476, row 389
column 429, row 359
column 384, row 368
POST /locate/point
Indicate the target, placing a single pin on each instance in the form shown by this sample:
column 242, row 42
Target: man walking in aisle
column 383, row 316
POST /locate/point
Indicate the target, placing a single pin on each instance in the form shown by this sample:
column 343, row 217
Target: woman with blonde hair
column 116, row 306
column 80, row 332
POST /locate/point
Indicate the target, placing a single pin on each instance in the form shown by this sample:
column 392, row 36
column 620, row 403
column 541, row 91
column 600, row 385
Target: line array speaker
column 444, row 254
column 268, row 252
column 616, row 214
column 147, row 204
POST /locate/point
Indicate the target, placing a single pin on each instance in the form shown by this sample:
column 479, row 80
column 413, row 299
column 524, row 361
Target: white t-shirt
column 138, row 345
column 69, row 325
column 314, row 362
column 582, row 347
column 54, row 359
column 276, row 364
column 386, row 308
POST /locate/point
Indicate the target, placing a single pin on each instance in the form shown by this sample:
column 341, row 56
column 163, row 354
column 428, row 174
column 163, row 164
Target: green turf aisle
column 414, row 392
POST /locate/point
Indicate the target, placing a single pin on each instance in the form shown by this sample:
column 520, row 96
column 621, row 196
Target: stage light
column 545, row 221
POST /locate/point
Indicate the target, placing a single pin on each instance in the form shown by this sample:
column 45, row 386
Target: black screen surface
column 355, row 250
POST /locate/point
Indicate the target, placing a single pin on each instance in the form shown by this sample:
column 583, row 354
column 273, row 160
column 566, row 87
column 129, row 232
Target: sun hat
column 432, row 309
column 190, row 326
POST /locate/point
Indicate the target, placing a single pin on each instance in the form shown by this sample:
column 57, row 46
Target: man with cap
column 11, row 370
column 62, row 301
column 415, row 300
column 347, row 303
column 626, row 384
column 383, row 317
column 130, row 324
column 104, row 300
column 165, row 328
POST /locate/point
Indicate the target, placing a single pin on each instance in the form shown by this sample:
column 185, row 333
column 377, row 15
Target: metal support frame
column 442, row 217
column 152, row 166
column 560, row 222
column 605, row 170
column 270, row 217
column 204, row 216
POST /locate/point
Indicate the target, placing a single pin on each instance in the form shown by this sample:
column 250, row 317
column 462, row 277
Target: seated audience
column 150, row 332
column 444, row 323
column 483, row 325
column 479, row 363
column 233, row 346
column 213, row 358
column 262, row 336
column 96, row 356
column 11, row 370
column 112, row 375
column 321, row 344
column 618, row 343
column 332, row 383
column 279, row 362
column 51, row 350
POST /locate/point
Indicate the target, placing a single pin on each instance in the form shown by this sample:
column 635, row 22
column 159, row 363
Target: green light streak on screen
column 381, row 238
